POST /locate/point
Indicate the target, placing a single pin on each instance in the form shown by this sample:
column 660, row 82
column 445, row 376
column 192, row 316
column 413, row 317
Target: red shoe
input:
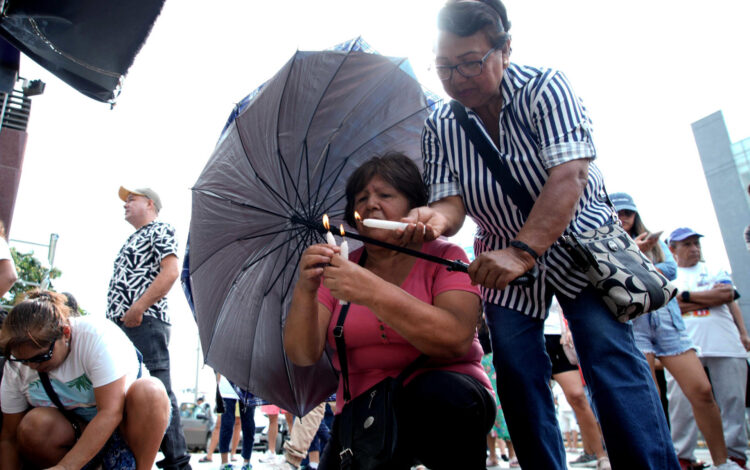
column 740, row 462
column 686, row 464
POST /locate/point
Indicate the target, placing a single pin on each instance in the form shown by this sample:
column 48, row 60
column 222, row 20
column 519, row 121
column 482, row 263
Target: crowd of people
column 514, row 152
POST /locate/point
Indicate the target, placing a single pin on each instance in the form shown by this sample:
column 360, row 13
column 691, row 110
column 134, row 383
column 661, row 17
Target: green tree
column 31, row 273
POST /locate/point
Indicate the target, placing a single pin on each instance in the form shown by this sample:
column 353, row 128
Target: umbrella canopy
column 89, row 44
column 285, row 158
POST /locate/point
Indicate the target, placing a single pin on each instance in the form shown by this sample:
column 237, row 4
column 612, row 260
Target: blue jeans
column 623, row 391
column 247, row 419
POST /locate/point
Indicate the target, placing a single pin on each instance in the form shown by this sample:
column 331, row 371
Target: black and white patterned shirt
column 542, row 124
column 136, row 266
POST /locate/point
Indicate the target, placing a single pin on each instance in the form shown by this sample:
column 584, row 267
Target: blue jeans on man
column 152, row 340
column 629, row 410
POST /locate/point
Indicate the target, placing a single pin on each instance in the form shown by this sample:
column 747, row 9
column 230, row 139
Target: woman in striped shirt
column 543, row 135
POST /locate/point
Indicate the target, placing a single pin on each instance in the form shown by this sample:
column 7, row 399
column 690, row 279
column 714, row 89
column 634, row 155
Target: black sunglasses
column 44, row 357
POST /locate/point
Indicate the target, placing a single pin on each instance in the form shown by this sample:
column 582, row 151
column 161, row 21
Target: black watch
column 685, row 295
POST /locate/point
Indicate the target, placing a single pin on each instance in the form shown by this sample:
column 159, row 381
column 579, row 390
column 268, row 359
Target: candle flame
column 357, row 216
column 341, row 229
column 325, row 222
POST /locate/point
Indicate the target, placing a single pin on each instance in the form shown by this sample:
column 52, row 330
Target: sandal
column 205, row 459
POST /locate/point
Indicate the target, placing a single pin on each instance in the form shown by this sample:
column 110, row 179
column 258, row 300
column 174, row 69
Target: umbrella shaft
column 457, row 265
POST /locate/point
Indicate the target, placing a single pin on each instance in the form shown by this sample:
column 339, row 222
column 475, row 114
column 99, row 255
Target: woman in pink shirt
column 401, row 307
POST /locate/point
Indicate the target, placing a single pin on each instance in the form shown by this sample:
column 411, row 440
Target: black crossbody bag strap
column 69, row 415
column 348, row 425
column 511, row 187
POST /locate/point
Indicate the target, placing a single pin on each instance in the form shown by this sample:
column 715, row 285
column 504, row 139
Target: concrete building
column 727, row 169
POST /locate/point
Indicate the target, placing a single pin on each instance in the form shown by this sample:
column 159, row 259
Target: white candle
column 344, row 254
column 329, row 239
column 385, row 224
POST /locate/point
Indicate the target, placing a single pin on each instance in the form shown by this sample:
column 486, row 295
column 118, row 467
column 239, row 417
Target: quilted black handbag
column 627, row 281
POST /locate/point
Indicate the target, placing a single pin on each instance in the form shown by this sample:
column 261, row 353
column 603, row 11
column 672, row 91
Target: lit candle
column 344, row 253
column 385, row 224
column 344, row 243
column 329, row 236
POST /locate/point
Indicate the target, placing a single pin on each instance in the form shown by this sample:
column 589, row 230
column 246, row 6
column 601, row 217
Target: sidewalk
column 701, row 454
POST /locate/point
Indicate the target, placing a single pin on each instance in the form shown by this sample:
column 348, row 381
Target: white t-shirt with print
column 100, row 353
column 713, row 330
column 5, row 252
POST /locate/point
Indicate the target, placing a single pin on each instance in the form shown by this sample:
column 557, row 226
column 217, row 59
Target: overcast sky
column 646, row 70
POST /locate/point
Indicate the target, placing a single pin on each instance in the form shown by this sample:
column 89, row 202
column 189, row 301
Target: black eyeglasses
column 44, row 357
column 467, row 69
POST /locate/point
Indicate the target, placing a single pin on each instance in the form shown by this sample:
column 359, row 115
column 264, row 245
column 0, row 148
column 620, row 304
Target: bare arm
column 307, row 322
column 734, row 308
column 444, row 329
column 168, row 271
column 720, row 294
column 551, row 214
column 110, row 404
column 8, row 276
column 9, row 458
column 555, row 206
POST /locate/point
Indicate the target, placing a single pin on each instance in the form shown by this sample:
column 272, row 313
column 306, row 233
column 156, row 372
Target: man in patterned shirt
column 144, row 271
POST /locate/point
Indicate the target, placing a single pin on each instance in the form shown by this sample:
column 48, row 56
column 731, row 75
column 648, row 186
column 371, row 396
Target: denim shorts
column 661, row 334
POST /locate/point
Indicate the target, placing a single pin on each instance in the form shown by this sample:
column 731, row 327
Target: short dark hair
column 396, row 169
column 467, row 18
column 72, row 304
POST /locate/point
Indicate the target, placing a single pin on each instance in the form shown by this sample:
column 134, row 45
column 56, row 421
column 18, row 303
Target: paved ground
column 701, row 454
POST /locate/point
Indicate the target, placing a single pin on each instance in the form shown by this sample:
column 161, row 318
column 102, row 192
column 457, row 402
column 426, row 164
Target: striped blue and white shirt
column 542, row 124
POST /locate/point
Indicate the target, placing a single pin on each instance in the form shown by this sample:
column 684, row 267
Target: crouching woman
column 111, row 406
column 401, row 307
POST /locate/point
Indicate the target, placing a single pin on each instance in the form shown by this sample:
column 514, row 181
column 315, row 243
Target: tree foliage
column 31, row 273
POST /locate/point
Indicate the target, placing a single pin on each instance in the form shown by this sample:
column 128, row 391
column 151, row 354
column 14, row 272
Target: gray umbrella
column 279, row 166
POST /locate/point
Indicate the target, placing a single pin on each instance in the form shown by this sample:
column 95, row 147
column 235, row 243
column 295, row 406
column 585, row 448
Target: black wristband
column 523, row 246
column 685, row 295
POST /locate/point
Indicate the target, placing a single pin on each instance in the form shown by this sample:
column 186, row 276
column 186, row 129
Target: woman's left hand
column 644, row 243
column 496, row 269
column 349, row 281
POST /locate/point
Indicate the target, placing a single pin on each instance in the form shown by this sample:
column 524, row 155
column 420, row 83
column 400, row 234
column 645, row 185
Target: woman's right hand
column 312, row 264
column 644, row 243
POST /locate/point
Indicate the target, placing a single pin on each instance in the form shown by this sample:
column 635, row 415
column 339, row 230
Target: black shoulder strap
column 512, row 188
column 69, row 415
column 338, row 334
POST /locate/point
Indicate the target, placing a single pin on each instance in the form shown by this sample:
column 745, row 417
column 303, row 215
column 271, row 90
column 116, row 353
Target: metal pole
column 197, row 370
column 53, row 237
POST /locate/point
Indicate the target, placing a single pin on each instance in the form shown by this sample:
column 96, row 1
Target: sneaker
column 226, row 466
column 268, row 457
column 280, row 464
column 603, row 464
column 584, row 460
column 728, row 465
column 246, row 466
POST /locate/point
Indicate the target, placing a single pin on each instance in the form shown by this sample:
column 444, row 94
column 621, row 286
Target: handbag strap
column 338, row 334
column 69, row 415
column 511, row 187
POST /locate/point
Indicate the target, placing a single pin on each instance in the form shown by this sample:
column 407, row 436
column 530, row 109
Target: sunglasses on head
column 43, row 357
